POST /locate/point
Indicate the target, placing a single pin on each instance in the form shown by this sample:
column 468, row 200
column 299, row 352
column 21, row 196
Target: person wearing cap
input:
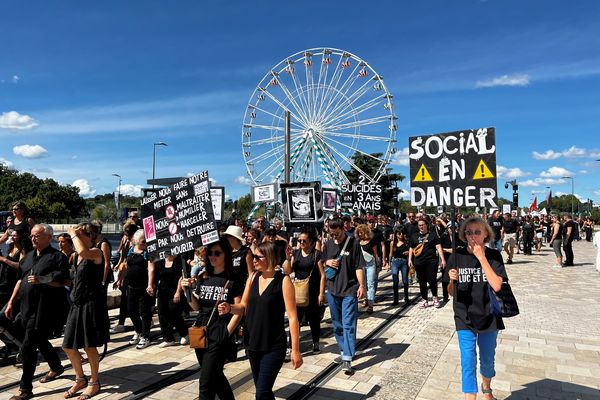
column 242, row 257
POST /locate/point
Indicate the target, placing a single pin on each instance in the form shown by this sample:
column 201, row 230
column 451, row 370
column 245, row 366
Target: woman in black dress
column 305, row 266
column 269, row 294
column 9, row 267
column 87, row 323
column 21, row 223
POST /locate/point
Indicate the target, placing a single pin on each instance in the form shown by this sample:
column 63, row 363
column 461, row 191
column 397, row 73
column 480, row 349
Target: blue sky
column 86, row 88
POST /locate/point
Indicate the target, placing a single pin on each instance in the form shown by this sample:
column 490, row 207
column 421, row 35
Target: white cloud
column 573, row 152
column 6, row 163
column 131, row 190
column 243, row 180
column 548, row 155
column 404, row 194
column 597, row 192
column 583, row 172
column 15, row 79
column 542, row 181
column 505, row 80
column 510, row 173
column 568, row 194
column 30, row 151
column 401, row 157
column 85, row 189
column 14, row 120
column 556, row 172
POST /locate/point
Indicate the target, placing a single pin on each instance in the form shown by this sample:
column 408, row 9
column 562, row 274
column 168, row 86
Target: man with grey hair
column 42, row 274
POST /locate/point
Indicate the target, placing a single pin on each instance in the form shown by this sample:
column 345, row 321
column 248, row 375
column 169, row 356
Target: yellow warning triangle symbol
column 482, row 171
column 423, row 175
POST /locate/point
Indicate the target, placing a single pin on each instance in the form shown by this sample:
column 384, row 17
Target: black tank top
column 22, row 228
column 264, row 317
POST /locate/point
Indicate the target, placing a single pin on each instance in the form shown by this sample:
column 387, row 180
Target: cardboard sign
column 217, row 195
column 454, row 169
column 302, row 202
column 179, row 218
column 364, row 195
column 264, row 193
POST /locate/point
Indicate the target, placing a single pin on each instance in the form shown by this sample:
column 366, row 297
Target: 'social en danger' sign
column 454, row 169
column 179, row 218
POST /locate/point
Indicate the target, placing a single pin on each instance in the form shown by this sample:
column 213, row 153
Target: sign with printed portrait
column 264, row 193
column 217, row 195
column 302, row 202
column 329, row 200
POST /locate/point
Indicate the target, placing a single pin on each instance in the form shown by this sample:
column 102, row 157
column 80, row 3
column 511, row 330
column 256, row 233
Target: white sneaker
column 288, row 354
column 166, row 344
column 117, row 329
column 184, row 341
column 135, row 339
column 143, row 343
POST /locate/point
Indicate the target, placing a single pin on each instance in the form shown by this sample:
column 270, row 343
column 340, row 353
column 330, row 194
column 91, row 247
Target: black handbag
column 503, row 303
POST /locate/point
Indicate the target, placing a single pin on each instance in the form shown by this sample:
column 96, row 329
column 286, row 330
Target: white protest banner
column 179, row 218
column 454, row 169
column 217, row 195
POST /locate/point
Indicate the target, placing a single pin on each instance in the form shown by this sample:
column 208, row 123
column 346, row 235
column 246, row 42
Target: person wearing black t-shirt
column 167, row 279
column 304, row 264
column 510, row 228
column 495, row 222
column 216, row 289
column 425, row 261
column 476, row 268
column 568, row 233
column 399, row 264
column 528, row 230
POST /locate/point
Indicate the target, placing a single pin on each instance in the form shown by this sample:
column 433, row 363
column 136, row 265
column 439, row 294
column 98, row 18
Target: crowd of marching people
column 243, row 288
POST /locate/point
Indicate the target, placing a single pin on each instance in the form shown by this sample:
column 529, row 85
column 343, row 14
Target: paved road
column 550, row 351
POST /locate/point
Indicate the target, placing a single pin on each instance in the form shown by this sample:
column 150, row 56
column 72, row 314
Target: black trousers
column 568, row 248
column 265, row 367
column 139, row 306
column 212, row 361
column 427, row 275
column 169, row 315
column 527, row 243
column 35, row 340
column 123, row 306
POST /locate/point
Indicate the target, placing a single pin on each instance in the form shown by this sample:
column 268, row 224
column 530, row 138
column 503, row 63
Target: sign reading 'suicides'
column 454, row 169
column 361, row 196
column 179, row 218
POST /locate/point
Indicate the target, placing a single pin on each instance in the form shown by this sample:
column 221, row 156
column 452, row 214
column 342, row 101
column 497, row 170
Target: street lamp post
column 154, row 159
column 118, row 197
column 572, row 192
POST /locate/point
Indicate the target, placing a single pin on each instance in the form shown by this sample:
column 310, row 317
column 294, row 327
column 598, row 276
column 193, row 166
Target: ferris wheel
column 339, row 106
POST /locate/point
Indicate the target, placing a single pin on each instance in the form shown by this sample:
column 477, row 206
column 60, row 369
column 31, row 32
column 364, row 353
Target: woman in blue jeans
column 399, row 264
column 369, row 251
column 269, row 294
column 476, row 269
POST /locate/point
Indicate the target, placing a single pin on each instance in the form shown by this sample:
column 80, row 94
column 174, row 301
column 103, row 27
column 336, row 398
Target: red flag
column 549, row 200
column 533, row 206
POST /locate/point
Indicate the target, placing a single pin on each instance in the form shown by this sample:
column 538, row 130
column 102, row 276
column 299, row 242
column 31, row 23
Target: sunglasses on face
column 256, row 257
column 214, row 253
column 16, row 209
column 302, row 241
column 476, row 232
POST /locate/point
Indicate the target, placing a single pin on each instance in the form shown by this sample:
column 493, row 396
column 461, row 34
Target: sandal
column 487, row 391
column 49, row 378
column 424, row 304
column 76, row 388
column 86, row 396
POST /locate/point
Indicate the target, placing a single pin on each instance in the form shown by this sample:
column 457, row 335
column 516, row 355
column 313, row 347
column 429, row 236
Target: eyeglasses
column 15, row 208
column 422, row 225
column 302, row 241
column 214, row 253
column 476, row 232
column 410, row 216
column 257, row 257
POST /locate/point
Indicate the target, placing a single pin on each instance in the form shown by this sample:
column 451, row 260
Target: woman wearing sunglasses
column 476, row 266
column 269, row 294
column 217, row 285
column 303, row 263
column 21, row 223
column 9, row 267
